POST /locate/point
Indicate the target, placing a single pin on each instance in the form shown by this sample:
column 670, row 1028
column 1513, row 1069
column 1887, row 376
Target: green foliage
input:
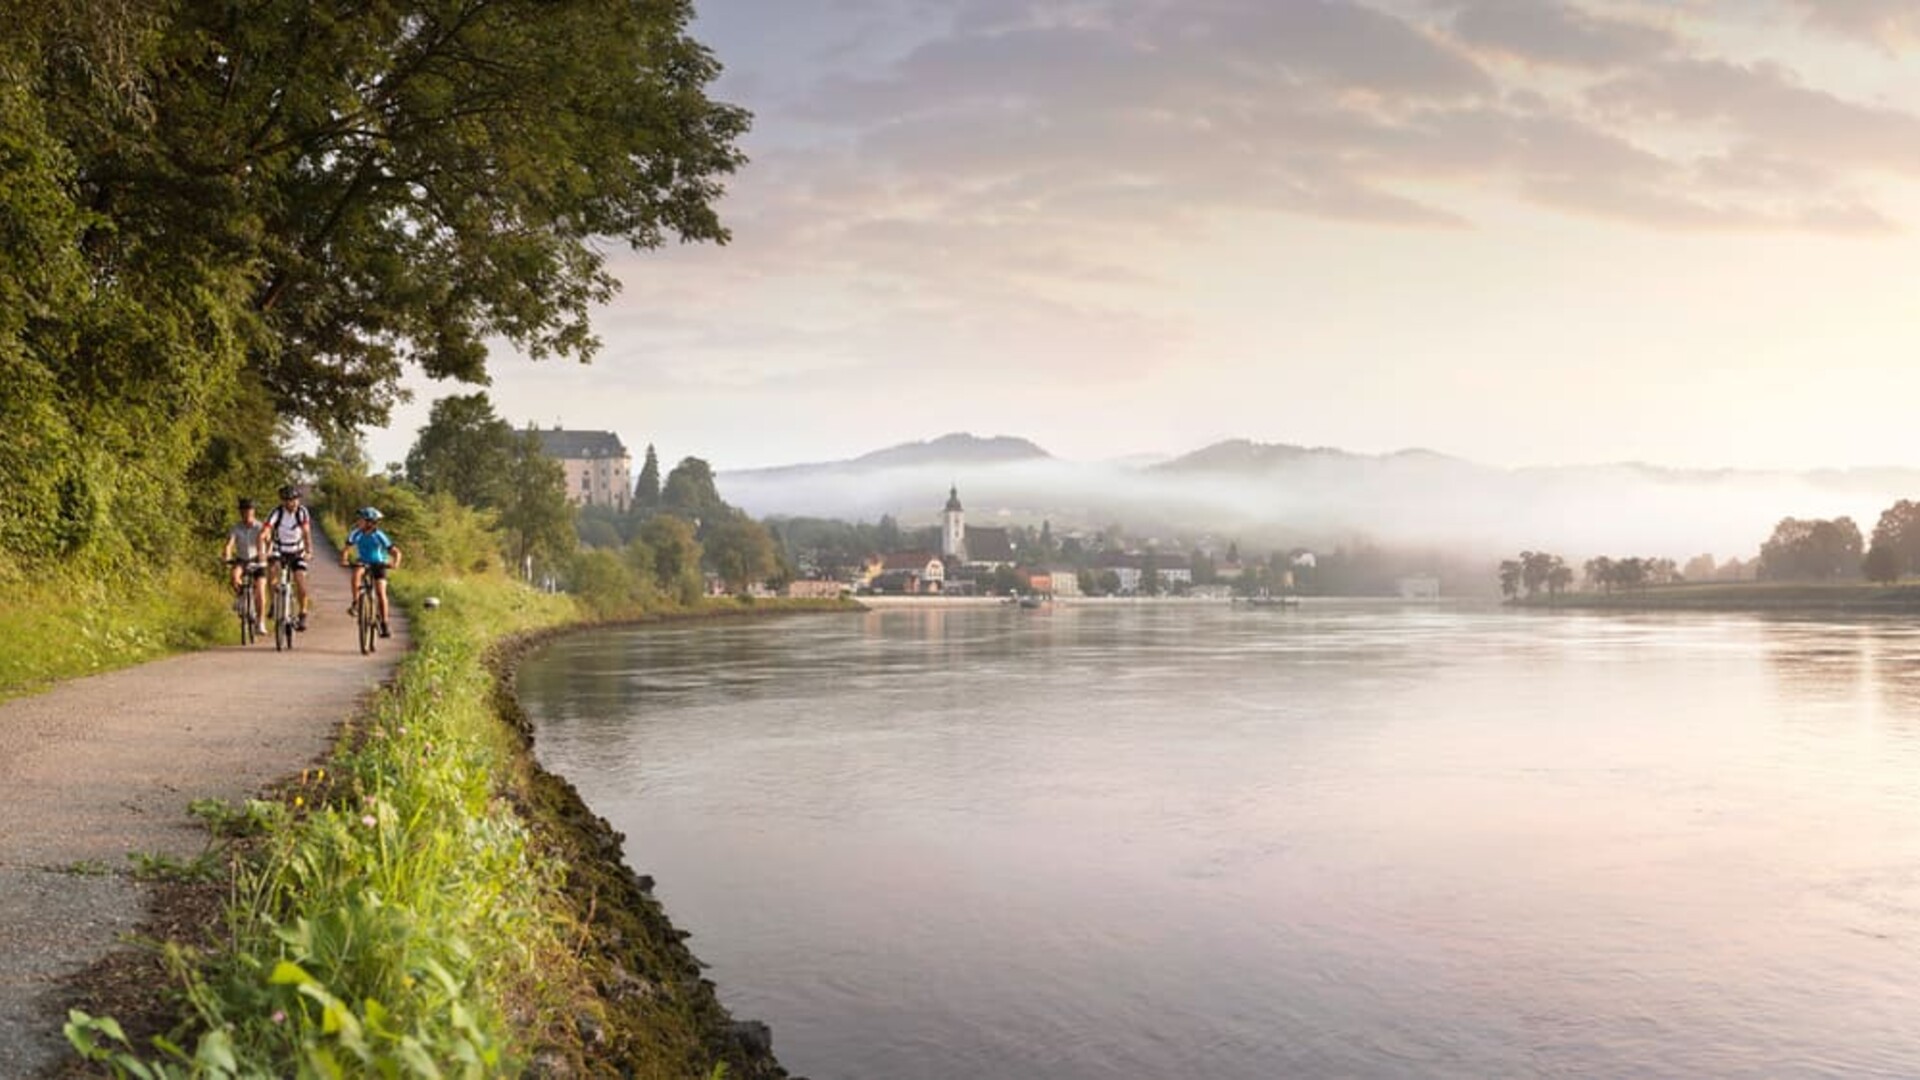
column 689, row 493
column 536, row 520
column 741, row 551
column 605, row 583
column 465, row 451
column 68, row 621
column 676, row 555
column 646, row 490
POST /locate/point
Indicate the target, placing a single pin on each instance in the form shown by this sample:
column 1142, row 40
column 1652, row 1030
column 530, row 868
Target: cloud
column 1545, row 32
column 1894, row 25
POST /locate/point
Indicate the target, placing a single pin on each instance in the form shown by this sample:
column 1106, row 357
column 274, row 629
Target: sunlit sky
column 1516, row 231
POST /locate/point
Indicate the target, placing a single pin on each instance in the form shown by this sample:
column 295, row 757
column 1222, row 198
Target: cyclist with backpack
column 290, row 541
column 246, row 557
column 372, row 552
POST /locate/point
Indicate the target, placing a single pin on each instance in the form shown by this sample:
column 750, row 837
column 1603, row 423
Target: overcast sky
column 1517, row 231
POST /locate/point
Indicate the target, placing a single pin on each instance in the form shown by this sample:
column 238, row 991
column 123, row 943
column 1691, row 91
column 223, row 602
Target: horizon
column 1549, row 235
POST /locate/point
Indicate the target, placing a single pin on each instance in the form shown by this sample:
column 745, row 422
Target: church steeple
column 953, row 532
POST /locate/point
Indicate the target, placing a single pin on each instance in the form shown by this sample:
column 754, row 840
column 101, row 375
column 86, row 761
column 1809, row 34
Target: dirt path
column 102, row 767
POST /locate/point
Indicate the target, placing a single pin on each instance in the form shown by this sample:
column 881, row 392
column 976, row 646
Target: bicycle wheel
column 369, row 620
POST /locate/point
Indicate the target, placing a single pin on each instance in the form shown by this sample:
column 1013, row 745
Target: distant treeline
column 1799, row 550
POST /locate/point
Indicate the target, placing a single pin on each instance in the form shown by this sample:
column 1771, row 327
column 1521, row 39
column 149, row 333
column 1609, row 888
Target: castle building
column 599, row 469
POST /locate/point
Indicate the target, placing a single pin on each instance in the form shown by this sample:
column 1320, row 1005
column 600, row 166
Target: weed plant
column 392, row 915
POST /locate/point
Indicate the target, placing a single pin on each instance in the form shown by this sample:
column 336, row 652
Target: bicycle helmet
column 368, row 513
column 289, row 492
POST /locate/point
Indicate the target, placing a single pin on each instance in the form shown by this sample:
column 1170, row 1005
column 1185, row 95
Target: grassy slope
column 436, row 897
column 67, row 624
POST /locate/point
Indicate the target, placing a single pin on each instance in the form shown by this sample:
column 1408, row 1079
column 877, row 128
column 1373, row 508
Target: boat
column 1266, row 599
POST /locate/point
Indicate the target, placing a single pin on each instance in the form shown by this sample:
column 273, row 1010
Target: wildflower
column 298, row 802
column 370, row 821
column 279, row 1016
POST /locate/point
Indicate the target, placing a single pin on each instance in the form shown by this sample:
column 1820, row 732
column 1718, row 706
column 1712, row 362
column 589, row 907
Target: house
column 910, row 572
column 598, row 468
column 815, row 589
column 1065, row 580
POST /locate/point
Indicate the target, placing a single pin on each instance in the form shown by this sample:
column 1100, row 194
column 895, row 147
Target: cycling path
column 98, row 768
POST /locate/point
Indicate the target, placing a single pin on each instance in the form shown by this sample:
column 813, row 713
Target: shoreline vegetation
column 1781, row 597
column 430, row 901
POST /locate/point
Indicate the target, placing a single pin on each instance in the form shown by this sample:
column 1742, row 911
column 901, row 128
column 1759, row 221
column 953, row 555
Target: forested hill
column 219, row 230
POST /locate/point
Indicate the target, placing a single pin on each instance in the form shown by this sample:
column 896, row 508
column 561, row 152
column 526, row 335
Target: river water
column 1346, row 840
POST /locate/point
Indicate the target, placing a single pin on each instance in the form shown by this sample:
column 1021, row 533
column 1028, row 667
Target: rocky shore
column 650, row 992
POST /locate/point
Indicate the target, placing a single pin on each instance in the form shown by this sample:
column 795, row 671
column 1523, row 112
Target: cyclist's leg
column 257, row 581
column 300, row 589
column 380, row 590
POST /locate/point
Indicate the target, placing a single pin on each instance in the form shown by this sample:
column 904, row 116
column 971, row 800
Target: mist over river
column 1345, row 840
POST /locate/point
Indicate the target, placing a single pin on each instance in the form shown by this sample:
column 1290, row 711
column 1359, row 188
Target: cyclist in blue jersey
column 370, row 551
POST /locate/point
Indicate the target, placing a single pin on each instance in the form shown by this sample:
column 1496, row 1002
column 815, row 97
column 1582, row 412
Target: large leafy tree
column 1895, row 549
column 690, row 493
column 465, row 450
column 216, row 217
column 1811, row 550
column 404, row 180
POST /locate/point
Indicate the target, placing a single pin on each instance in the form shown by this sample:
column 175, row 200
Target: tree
column 676, row 557
column 689, row 493
column 740, row 551
column 1811, row 550
column 1895, row 550
column 1510, row 571
column 402, row 181
column 536, row 520
column 466, row 451
column 646, row 490
column 1600, row 572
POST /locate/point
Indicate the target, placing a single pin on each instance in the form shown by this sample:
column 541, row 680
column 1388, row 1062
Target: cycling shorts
column 292, row 558
column 376, row 570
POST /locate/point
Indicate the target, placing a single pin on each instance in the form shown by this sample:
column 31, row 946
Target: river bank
column 424, row 891
column 1782, row 597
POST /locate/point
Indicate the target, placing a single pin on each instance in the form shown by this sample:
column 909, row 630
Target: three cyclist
column 245, row 554
column 370, row 551
column 290, row 541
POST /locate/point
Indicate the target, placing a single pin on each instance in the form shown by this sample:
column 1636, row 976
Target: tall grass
column 63, row 623
column 390, row 919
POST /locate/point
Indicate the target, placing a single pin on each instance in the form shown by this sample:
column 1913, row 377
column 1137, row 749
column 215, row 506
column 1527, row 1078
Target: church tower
column 953, row 537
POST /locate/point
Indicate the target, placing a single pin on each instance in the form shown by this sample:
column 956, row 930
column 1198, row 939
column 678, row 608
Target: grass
column 1781, row 596
column 67, row 624
column 431, row 903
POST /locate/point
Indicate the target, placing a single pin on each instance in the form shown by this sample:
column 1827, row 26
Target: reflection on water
column 1348, row 840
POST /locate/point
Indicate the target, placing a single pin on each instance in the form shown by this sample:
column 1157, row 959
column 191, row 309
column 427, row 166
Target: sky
column 1521, row 232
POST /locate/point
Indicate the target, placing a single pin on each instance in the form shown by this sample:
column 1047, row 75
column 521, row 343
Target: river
column 1350, row 839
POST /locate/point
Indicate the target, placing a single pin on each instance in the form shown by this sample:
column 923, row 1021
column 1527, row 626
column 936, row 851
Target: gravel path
column 98, row 768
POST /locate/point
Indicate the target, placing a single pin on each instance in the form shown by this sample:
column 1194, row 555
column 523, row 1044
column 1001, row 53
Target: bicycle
column 366, row 607
column 245, row 603
column 281, row 603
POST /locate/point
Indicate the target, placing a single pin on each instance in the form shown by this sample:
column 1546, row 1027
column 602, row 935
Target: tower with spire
column 953, row 535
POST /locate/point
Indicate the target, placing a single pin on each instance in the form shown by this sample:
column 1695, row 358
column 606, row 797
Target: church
column 971, row 546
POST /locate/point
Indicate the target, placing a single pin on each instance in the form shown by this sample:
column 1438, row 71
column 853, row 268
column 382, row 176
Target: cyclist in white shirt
column 290, row 540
